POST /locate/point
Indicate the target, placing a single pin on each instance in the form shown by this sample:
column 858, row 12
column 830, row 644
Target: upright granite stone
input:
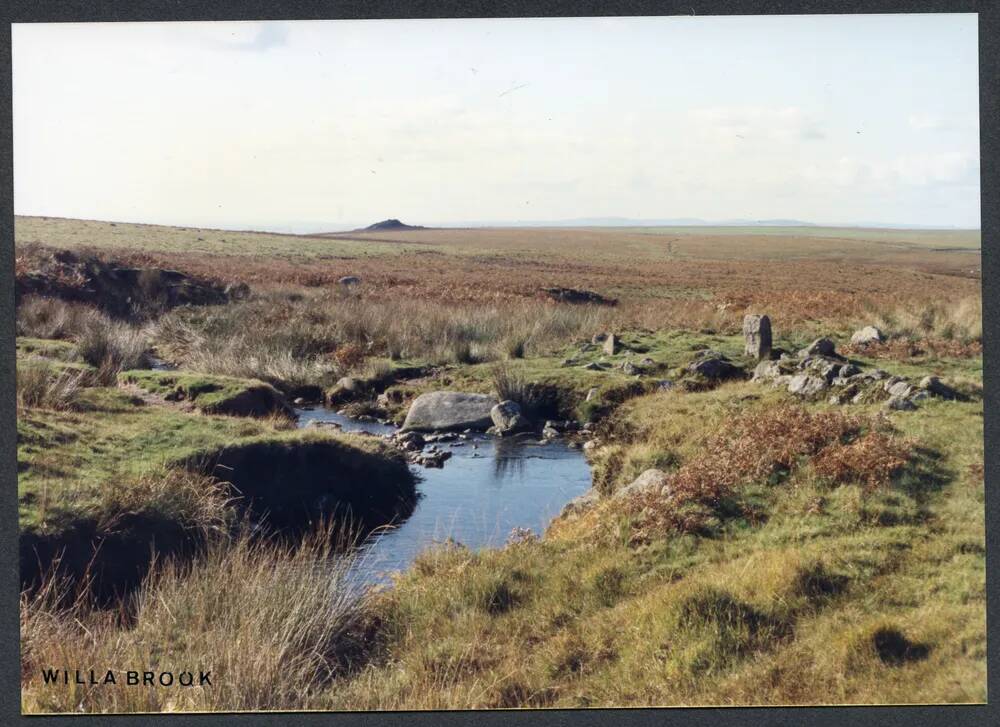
column 757, row 334
column 612, row 344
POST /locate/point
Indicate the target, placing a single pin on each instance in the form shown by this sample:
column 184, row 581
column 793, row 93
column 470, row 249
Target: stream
column 488, row 487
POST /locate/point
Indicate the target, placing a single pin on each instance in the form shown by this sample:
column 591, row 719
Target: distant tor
column 391, row 224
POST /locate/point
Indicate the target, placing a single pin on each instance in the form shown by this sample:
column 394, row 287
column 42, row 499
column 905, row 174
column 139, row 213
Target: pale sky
column 312, row 125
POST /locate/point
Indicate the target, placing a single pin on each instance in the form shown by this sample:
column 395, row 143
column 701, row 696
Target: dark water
column 489, row 487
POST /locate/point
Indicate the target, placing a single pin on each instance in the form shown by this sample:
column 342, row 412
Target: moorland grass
column 838, row 594
column 806, row 581
column 273, row 625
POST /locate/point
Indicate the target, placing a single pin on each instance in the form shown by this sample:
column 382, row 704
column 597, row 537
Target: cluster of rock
column 611, row 344
column 818, row 370
column 423, row 449
column 454, row 418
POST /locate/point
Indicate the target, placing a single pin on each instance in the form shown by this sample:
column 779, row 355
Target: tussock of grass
column 40, row 317
column 109, row 346
column 273, row 624
column 960, row 321
column 42, row 386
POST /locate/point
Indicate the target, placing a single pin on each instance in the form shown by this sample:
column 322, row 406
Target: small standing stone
column 757, row 332
column 611, row 344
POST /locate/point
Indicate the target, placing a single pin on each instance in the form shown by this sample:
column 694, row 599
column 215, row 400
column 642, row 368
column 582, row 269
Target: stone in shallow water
column 450, row 410
column 508, row 419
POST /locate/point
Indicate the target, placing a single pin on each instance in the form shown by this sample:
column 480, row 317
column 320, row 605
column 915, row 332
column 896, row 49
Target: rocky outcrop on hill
column 819, row 371
column 816, row 376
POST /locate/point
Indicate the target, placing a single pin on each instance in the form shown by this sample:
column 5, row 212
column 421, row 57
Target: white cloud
column 789, row 123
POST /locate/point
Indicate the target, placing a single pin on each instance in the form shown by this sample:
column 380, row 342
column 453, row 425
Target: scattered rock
column 899, row 388
column 757, row 336
column 580, row 504
column 346, row 389
column 819, row 347
column 899, row 403
column 317, row 424
column 866, row 335
column 591, row 395
column 714, row 365
column 449, row 410
column 349, row 281
column 435, row 458
column 650, row 481
column 806, row 385
column 766, row 371
column 934, row 385
column 508, row 419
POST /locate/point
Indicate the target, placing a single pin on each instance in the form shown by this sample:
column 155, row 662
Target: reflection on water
column 488, row 487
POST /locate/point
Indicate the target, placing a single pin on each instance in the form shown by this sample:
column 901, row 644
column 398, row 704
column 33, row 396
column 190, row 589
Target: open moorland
column 795, row 523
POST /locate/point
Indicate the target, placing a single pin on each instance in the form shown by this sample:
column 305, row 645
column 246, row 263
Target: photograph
column 528, row 363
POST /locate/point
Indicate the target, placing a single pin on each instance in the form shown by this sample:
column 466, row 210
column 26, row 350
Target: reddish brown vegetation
column 872, row 460
column 758, row 447
column 900, row 349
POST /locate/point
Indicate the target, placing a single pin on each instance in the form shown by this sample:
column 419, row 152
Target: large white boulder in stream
column 449, row 410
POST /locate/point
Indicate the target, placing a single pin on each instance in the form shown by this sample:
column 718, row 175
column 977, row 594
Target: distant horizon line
column 307, row 229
